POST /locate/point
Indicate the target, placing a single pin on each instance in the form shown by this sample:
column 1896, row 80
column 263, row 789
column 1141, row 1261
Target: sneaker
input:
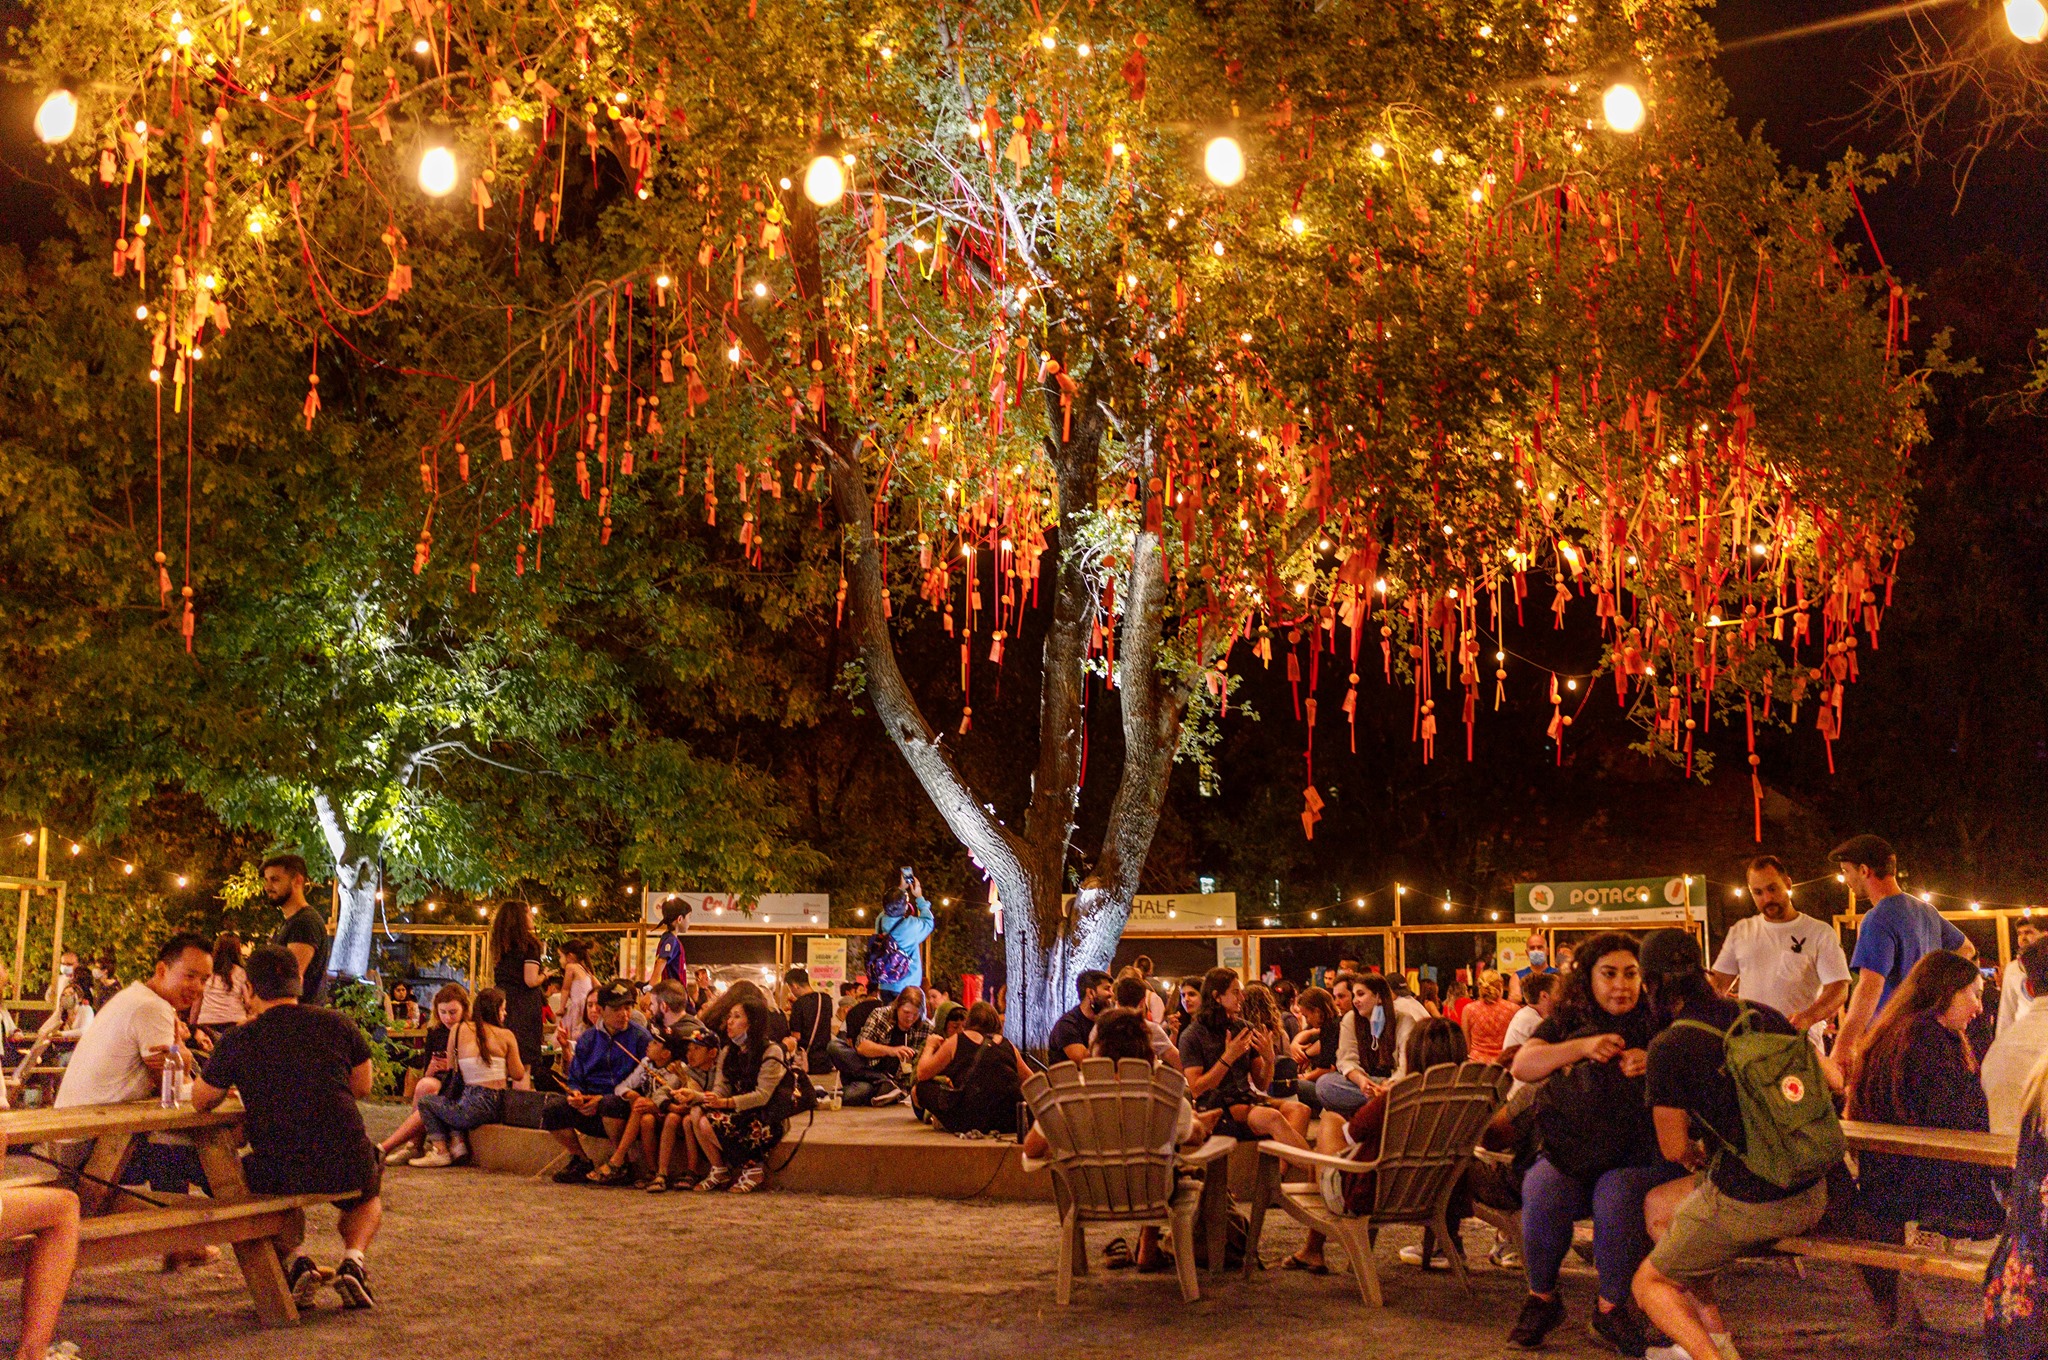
column 433, row 1157
column 402, row 1154
column 752, row 1176
column 1412, row 1255
column 893, row 1095
column 1617, row 1330
column 352, row 1282
column 575, row 1173
column 1537, row 1318
column 1504, row 1257
column 720, row 1177
column 304, row 1279
column 458, row 1147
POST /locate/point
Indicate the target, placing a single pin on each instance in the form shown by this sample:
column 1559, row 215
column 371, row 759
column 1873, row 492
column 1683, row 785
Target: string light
column 1223, row 161
column 1623, row 107
column 2028, row 19
column 57, row 116
column 437, row 171
column 824, row 181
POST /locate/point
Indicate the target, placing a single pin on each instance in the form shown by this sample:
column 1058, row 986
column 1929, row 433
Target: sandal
column 1312, row 1267
column 609, row 1174
column 658, row 1186
column 1116, row 1254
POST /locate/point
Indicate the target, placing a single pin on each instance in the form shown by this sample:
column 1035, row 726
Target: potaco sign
column 1619, row 901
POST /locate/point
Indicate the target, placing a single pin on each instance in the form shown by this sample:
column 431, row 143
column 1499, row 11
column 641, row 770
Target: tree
column 1255, row 330
column 403, row 731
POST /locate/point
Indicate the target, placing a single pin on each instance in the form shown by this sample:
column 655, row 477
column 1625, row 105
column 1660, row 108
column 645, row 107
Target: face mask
column 66, row 969
column 1379, row 1021
column 1536, row 958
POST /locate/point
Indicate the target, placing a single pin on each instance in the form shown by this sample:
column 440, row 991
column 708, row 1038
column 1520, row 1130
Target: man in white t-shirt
column 1781, row 959
column 2013, row 997
column 121, row 1057
column 2019, row 1046
column 1539, row 999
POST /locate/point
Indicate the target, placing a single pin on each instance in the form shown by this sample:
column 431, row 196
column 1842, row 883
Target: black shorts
column 567, row 1116
column 360, row 1175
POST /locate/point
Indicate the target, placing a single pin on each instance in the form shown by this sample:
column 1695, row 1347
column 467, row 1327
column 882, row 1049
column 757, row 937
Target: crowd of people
column 1631, row 1101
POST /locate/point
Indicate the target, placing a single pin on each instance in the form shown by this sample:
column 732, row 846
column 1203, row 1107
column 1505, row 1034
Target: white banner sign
column 772, row 911
column 1179, row 913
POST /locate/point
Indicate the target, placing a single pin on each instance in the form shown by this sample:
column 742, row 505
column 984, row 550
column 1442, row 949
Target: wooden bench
column 1928, row 1263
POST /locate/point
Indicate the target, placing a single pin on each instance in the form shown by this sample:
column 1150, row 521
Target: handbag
column 1592, row 1120
column 451, row 1080
column 523, row 1109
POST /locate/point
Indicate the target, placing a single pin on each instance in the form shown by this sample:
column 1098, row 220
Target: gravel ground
column 477, row 1265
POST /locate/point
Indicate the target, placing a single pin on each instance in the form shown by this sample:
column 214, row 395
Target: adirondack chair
column 1433, row 1123
column 1110, row 1125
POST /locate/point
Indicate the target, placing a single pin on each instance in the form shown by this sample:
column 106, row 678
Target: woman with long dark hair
column 451, row 1011
column 401, row 1007
column 1369, row 1039
column 224, row 1001
column 1227, row 1061
column 516, row 969
column 1315, row 1045
column 1917, row 1068
column 1600, row 1148
column 487, row 1056
column 748, row 1109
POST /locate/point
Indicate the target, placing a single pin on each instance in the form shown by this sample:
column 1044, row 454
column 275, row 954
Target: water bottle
column 173, row 1063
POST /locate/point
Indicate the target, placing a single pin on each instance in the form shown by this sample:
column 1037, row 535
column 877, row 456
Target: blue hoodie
column 910, row 930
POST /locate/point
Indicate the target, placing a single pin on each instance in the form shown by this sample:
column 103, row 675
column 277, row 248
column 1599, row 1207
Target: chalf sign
column 1615, row 901
column 1179, row 913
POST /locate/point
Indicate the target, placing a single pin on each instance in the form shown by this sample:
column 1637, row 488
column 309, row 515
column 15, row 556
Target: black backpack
column 1591, row 1119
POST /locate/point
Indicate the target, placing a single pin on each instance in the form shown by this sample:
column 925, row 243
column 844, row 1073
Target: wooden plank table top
column 46, row 1125
column 1947, row 1145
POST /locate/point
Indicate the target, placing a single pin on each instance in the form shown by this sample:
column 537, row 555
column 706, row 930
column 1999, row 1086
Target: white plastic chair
column 1110, row 1125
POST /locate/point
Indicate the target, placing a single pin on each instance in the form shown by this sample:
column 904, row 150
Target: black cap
column 615, row 996
column 1670, row 953
column 690, row 1030
column 1871, row 851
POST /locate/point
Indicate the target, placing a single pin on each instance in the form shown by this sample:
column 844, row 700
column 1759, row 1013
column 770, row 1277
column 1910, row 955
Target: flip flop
column 1296, row 1263
column 1158, row 1265
column 1116, row 1254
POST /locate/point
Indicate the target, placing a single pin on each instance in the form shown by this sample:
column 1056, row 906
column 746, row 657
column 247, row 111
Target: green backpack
column 1790, row 1136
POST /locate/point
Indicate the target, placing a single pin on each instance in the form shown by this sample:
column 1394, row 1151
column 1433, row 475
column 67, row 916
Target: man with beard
column 304, row 931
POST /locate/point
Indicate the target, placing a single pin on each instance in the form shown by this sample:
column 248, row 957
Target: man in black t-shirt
column 810, row 1020
column 300, row 1071
column 1068, row 1041
column 1730, row 1209
column 304, row 931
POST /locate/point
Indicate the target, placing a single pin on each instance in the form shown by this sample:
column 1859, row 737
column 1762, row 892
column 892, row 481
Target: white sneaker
column 1412, row 1255
column 434, row 1157
column 895, row 1095
column 402, row 1154
column 458, row 1147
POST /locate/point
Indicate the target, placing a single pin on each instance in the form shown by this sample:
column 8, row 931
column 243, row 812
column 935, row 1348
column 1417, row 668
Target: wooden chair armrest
column 1304, row 1157
column 1034, row 1163
column 1217, row 1146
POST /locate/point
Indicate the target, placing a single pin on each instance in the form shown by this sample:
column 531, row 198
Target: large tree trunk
column 357, row 880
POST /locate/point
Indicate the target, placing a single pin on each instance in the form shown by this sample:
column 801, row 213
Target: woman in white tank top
column 486, row 1055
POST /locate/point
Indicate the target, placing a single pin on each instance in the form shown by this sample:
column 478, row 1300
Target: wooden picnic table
column 255, row 1225
column 1947, row 1145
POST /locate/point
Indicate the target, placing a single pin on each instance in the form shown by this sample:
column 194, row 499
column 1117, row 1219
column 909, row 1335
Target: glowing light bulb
column 1298, row 225
column 824, row 181
column 512, row 123
column 422, row 46
column 437, row 171
column 1223, row 161
column 1623, row 107
column 2028, row 20
column 1377, row 151
column 57, row 118
column 181, row 880
column 733, row 355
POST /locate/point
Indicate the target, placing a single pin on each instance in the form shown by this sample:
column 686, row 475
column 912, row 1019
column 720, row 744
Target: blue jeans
column 442, row 1116
column 1553, row 1202
column 1339, row 1095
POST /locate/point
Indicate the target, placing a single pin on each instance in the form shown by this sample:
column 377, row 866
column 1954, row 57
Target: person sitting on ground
column 810, row 1021
column 607, row 1057
column 948, row 1019
column 401, row 1008
column 1227, row 1061
column 1601, row 1155
column 748, row 1109
column 1314, row 1047
column 224, row 1001
column 2022, row 1040
column 1539, row 999
column 1120, row 1034
column 1486, row 1020
column 579, row 984
column 1434, row 1042
column 889, row 1043
column 300, row 1071
column 713, row 1014
column 969, row 1082
column 122, row 1056
column 1068, row 1041
column 1368, row 1048
column 1731, row 1211
column 451, row 1009
column 486, row 1055
column 1917, row 1068
column 667, row 1077
column 1131, row 992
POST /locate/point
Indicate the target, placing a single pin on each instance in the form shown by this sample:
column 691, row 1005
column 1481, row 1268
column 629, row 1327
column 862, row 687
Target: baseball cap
column 1668, row 953
column 690, row 1030
column 615, row 996
column 1874, row 851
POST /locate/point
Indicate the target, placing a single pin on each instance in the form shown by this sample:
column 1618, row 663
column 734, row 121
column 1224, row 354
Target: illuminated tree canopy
column 1223, row 334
